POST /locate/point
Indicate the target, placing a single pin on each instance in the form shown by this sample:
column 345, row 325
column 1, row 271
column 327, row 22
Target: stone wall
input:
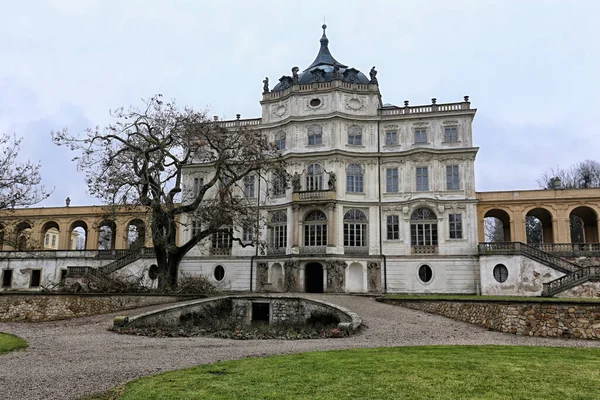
column 49, row 307
column 547, row 319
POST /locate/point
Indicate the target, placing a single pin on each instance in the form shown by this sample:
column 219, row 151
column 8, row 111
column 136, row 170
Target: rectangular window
column 53, row 241
column 452, row 177
column 248, row 235
column 7, row 278
column 278, row 186
column 391, row 138
column 280, row 236
column 355, row 235
column 450, row 134
column 47, row 239
column 421, row 135
column 455, row 228
column 391, row 180
column 221, row 239
column 249, row 186
column 198, row 183
column 36, row 278
column 196, row 227
column 422, row 179
column 393, row 227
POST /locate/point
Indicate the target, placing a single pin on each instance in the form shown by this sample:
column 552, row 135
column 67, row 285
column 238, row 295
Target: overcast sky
column 530, row 67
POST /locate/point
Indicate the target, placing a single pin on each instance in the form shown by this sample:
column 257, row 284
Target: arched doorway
column 496, row 226
column 538, row 226
column 313, row 278
column 584, row 225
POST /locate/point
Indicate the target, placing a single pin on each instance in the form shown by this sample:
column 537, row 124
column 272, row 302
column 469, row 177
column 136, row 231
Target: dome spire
column 324, row 57
column 324, row 41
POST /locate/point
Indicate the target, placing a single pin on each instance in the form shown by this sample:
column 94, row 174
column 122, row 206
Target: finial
column 237, row 116
column 324, row 40
column 466, row 99
column 433, row 101
column 68, row 201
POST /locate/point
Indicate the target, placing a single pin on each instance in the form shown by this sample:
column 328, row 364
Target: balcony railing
column 356, row 250
column 570, row 280
column 510, row 248
column 313, row 249
column 569, row 249
column 423, row 249
column 220, row 251
column 276, row 251
column 314, row 195
column 409, row 110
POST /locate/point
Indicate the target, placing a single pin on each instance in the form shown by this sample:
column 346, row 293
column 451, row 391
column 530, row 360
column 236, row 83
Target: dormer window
column 315, row 135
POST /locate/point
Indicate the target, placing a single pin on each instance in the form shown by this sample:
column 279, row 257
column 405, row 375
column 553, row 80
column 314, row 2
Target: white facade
column 348, row 152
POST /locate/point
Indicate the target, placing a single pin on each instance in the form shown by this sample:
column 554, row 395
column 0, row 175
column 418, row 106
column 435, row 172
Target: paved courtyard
column 72, row 358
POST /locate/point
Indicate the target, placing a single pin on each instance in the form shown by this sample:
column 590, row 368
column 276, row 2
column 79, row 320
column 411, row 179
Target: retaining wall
column 33, row 307
column 546, row 319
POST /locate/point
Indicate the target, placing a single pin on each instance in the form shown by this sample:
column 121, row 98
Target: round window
column 500, row 273
column 219, row 273
column 315, row 102
column 153, row 272
column 425, row 273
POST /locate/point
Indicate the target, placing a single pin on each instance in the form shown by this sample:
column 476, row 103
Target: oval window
column 315, row 102
column 153, row 272
column 425, row 273
column 219, row 273
column 500, row 273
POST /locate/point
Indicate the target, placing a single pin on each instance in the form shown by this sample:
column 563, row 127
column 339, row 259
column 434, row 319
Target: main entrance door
column 313, row 278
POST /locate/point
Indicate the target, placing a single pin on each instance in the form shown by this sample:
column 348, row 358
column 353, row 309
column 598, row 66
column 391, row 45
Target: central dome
column 325, row 68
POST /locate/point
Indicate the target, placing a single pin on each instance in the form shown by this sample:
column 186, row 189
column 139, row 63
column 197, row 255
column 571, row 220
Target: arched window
column 354, row 178
column 280, row 140
column 355, row 135
column 279, row 230
column 355, row 229
column 315, row 229
column 315, row 135
column 423, row 228
column 314, row 177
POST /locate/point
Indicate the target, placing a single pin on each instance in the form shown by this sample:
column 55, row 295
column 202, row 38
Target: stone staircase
column 572, row 279
column 518, row 248
column 575, row 273
column 102, row 273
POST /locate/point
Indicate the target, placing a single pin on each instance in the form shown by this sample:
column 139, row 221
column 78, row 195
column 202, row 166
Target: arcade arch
column 538, row 226
column 583, row 224
column 496, row 226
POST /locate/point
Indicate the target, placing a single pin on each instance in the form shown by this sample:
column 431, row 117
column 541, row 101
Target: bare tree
column 493, row 229
column 585, row 174
column 20, row 183
column 141, row 158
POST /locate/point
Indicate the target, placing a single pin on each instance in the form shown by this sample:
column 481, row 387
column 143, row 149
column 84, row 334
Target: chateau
column 382, row 199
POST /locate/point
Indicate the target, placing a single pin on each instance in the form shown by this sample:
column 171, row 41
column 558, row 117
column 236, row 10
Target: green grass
column 435, row 372
column 466, row 297
column 10, row 342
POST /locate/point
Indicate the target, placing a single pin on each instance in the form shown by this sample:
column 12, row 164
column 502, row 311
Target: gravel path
column 72, row 358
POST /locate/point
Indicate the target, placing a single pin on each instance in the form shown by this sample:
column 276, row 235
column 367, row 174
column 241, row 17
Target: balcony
column 423, row 249
column 310, row 195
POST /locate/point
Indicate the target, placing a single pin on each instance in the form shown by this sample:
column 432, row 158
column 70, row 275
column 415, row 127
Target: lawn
column 435, row 372
column 470, row 297
column 10, row 342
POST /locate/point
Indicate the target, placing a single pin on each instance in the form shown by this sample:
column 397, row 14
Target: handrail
column 570, row 280
column 531, row 251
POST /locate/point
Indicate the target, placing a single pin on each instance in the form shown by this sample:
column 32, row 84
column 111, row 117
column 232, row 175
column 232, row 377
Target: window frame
column 393, row 227
column 422, row 180
column 391, row 138
column 421, row 136
column 314, row 181
column 280, row 138
column 392, row 180
column 356, row 228
column 455, row 226
column 453, row 177
column 451, row 134
column 31, row 276
column 315, row 230
column 315, row 138
column 355, row 177
column 10, row 281
column 250, row 186
column 355, row 135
